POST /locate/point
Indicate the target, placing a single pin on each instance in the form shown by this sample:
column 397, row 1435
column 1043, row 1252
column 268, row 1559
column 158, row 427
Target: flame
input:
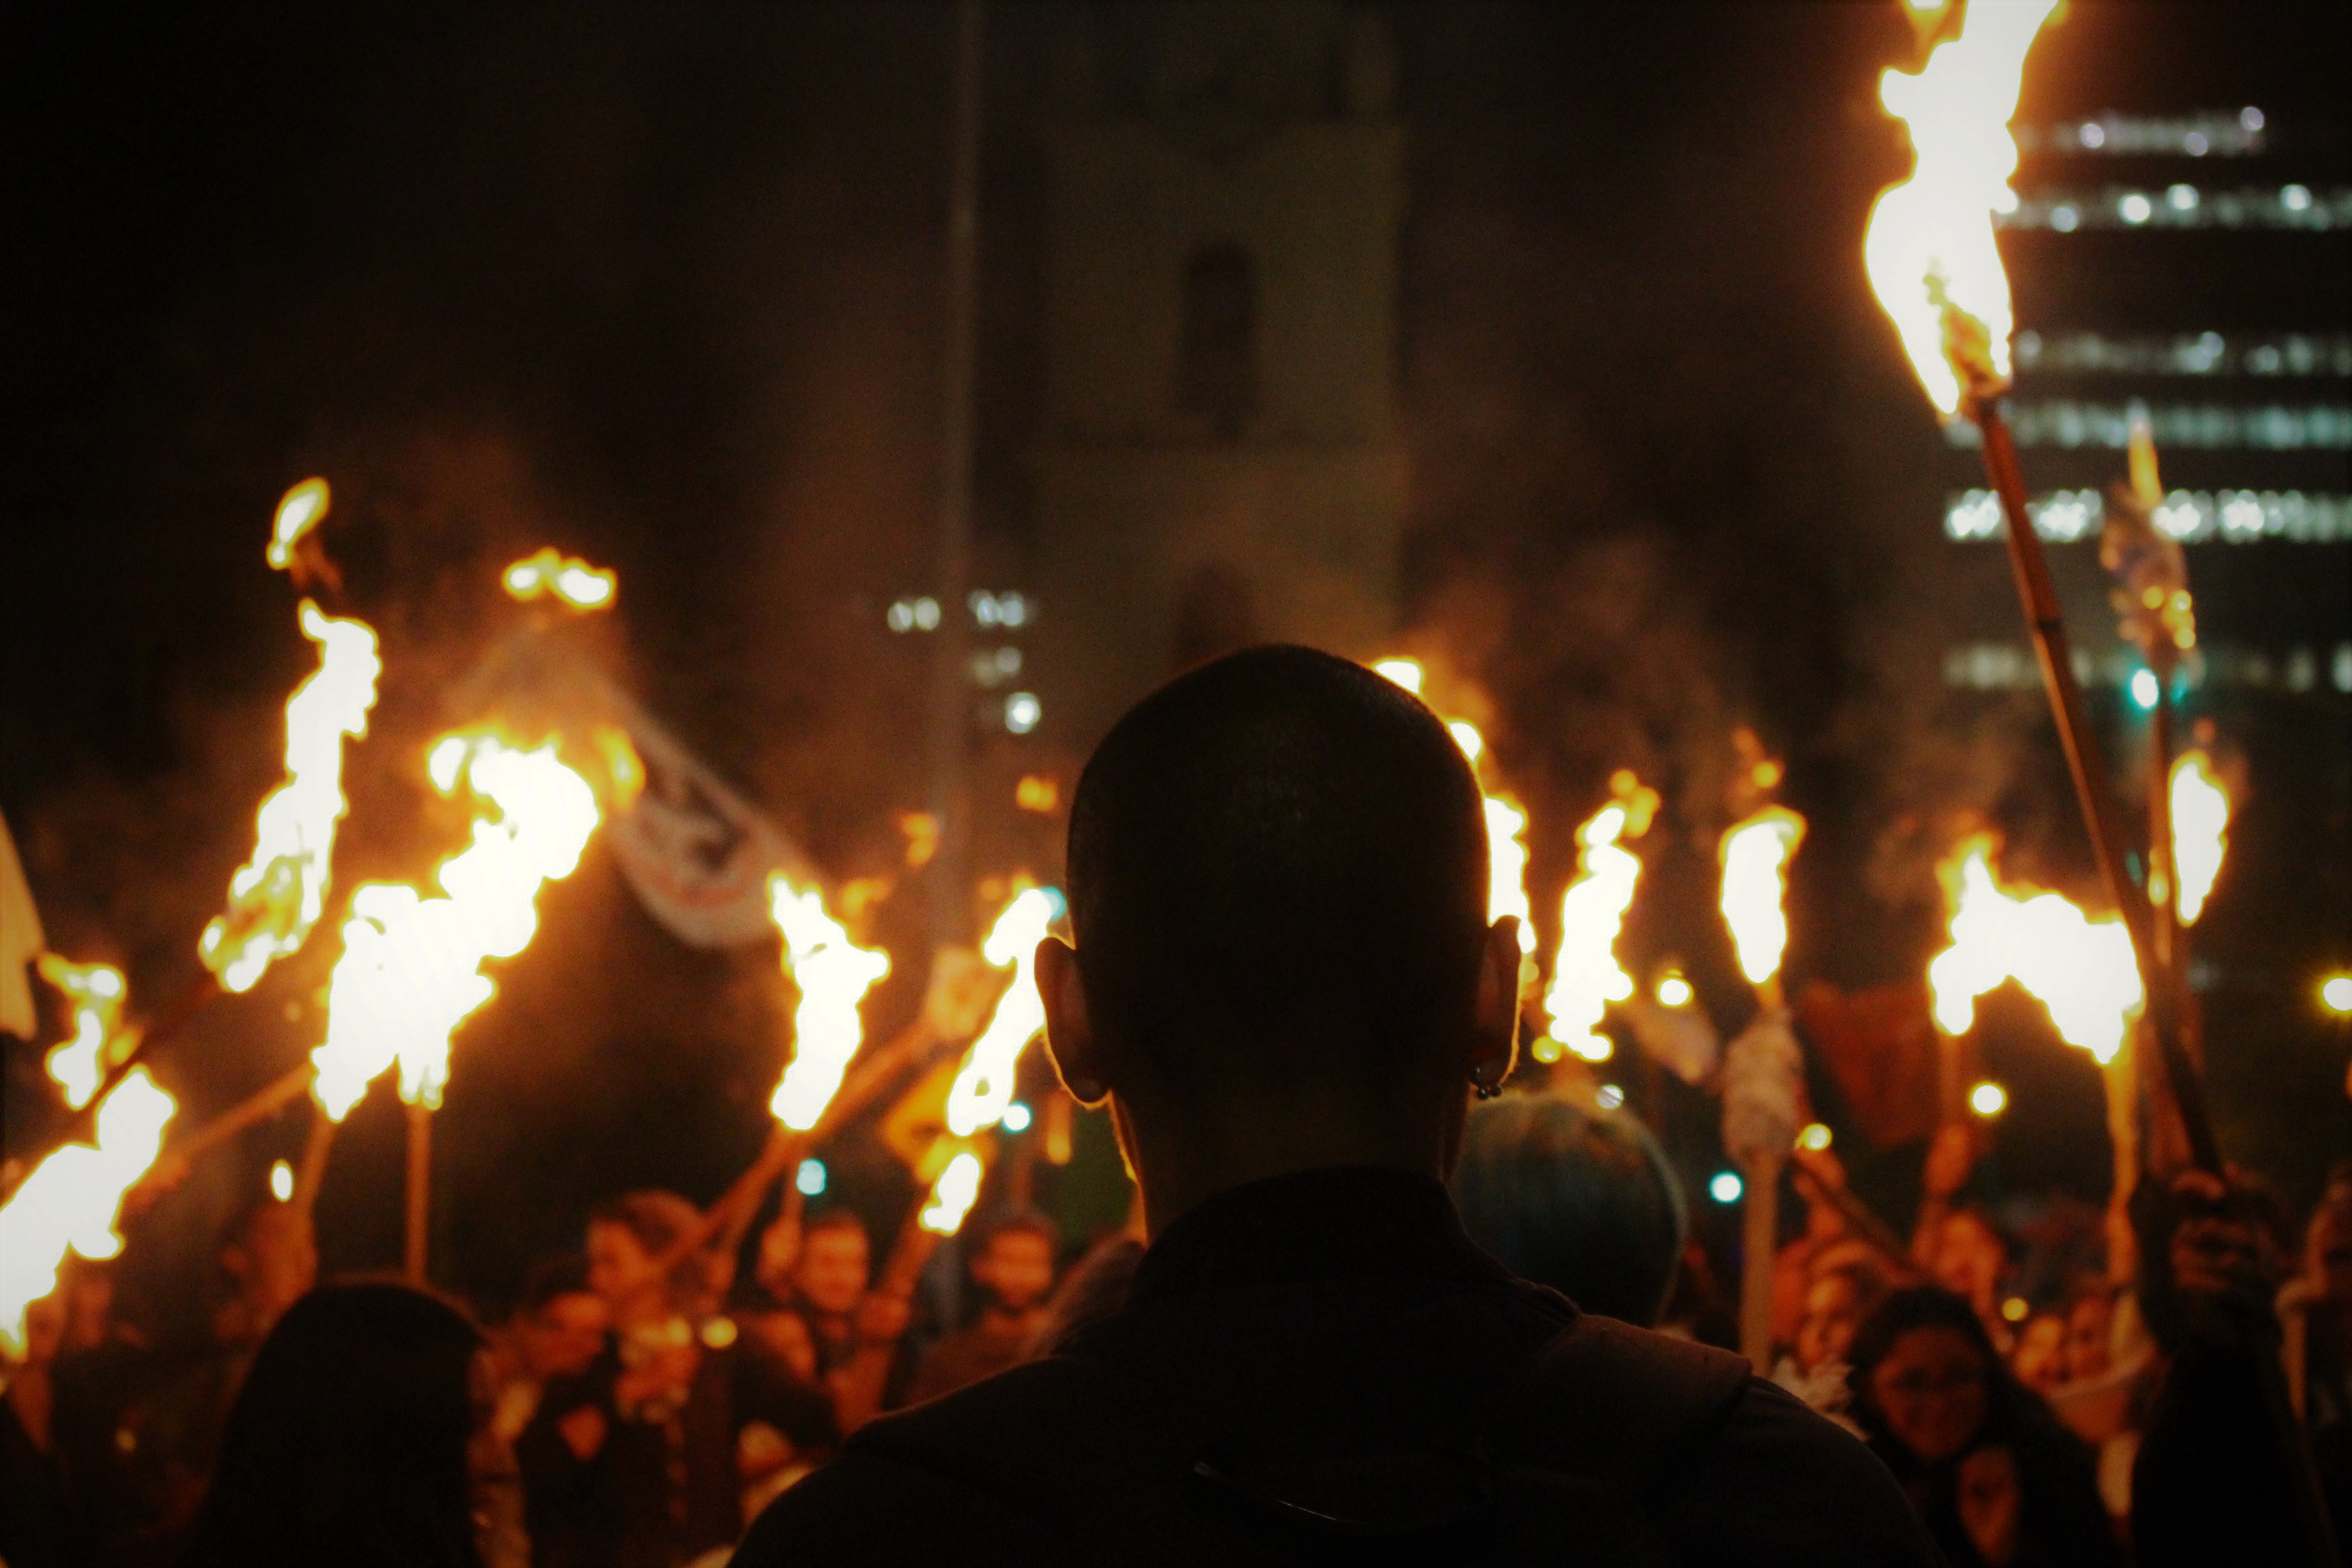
column 2201, row 832
column 72, row 1197
column 299, row 511
column 1405, row 672
column 1756, row 854
column 411, row 969
column 1931, row 252
column 984, row 1087
column 1585, row 974
column 952, row 1195
column 2081, row 969
column 97, row 993
column 277, row 897
column 833, row 974
column 568, row 578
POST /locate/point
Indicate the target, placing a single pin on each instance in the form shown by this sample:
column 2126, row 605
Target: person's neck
column 1178, row 1172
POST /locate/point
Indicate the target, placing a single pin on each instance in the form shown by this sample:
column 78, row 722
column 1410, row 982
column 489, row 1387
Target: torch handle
column 2092, row 790
column 420, row 1193
column 1759, row 1249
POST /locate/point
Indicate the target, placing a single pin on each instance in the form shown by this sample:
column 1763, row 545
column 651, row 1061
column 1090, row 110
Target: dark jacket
column 1314, row 1368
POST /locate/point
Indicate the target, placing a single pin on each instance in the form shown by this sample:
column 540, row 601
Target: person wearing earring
column 1282, row 987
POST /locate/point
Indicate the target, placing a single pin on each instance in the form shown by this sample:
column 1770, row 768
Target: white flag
column 697, row 854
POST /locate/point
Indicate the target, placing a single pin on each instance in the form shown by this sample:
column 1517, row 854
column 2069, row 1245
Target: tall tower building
column 1219, row 462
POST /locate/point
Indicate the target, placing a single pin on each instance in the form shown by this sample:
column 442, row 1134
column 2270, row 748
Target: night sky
column 662, row 285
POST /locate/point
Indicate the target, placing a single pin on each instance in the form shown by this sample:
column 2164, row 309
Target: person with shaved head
column 1283, row 986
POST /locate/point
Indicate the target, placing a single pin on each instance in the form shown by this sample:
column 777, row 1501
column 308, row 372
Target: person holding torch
column 1284, row 986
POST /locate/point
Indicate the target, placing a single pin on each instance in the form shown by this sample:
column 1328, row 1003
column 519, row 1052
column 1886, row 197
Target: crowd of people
column 1311, row 1350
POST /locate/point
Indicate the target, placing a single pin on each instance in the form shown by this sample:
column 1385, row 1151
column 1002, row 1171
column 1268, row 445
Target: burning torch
column 1937, row 272
column 1764, row 1069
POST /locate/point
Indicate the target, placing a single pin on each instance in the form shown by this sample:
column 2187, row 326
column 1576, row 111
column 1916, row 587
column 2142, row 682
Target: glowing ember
column 1585, row 977
column 567, row 577
column 2082, row 969
column 299, row 511
column 833, row 974
column 275, row 898
column 72, row 1197
column 2201, row 832
column 952, row 1195
column 411, row 970
column 97, row 993
column 1756, row 854
column 1930, row 251
column 984, row 1087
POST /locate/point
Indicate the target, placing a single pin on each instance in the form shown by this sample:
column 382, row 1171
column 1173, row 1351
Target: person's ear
column 1069, row 1033
column 1494, row 1027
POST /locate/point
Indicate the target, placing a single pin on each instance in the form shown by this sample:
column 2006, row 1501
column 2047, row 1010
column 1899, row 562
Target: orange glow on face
column 1930, row 251
column 568, row 579
column 1756, row 854
column 72, row 1197
column 275, row 898
column 96, row 992
column 833, row 974
column 2082, row 969
column 411, row 969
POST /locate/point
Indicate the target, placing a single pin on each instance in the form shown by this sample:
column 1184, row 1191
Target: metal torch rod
column 2092, row 790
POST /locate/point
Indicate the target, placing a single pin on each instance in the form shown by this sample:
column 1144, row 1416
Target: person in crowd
column 1836, row 1304
column 1966, row 1254
column 1015, row 1270
column 2222, row 1473
column 2038, row 1360
column 640, row 1461
column 363, row 1435
column 830, row 1326
column 1998, row 1480
column 1826, row 1238
column 556, row 1332
column 1284, row 987
column 2090, row 1319
column 2316, row 1306
column 1573, row 1197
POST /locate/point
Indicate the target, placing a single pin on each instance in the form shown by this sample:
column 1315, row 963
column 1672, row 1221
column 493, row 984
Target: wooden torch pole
column 2093, row 791
column 1760, row 1217
column 420, row 1192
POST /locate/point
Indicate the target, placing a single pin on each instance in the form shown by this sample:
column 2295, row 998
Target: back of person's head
column 1580, row 1200
column 1277, row 878
column 349, row 1441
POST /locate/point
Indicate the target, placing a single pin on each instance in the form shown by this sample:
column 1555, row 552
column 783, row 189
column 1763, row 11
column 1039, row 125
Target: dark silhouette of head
column 1277, row 879
column 350, row 1440
column 1578, row 1199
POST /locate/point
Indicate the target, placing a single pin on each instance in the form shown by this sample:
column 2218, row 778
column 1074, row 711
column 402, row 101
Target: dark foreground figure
column 1285, row 986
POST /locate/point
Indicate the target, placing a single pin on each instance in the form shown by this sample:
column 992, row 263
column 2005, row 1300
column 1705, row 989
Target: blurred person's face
column 619, row 1269
column 1017, row 1269
column 1833, row 1313
column 1969, row 1258
column 832, row 1273
column 2040, row 1360
column 1931, row 1388
column 2087, row 1329
column 563, row 1337
column 780, row 1250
